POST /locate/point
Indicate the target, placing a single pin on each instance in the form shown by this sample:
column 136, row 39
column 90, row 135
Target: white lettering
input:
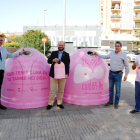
column 73, row 39
column 79, row 41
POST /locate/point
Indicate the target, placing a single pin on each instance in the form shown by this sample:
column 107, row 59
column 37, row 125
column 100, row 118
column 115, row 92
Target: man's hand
column 134, row 65
column 55, row 60
column 95, row 53
column 66, row 76
column 22, row 52
column 124, row 79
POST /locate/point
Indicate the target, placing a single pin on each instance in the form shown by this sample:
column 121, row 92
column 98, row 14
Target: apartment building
column 120, row 16
column 119, row 19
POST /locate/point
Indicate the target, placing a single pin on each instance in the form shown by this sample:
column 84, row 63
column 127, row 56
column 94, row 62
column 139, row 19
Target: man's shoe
column 108, row 104
column 61, row 106
column 49, row 107
column 134, row 111
column 2, row 107
column 116, row 106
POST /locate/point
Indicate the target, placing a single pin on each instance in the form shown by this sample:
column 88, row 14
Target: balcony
column 136, row 27
column 137, row 18
column 115, row 26
column 116, row 1
column 136, row 8
column 115, row 8
column 116, row 17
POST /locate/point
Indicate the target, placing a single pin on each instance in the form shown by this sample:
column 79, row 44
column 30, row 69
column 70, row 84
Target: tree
column 137, row 42
column 19, row 39
column 137, row 34
column 12, row 44
column 34, row 39
column 11, row 37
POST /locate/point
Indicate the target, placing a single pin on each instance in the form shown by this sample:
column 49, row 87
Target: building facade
column 81, row 36
column 120, row 16
column 119, row 20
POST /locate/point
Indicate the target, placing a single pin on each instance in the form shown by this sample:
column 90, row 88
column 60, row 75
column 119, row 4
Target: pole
column 64, row 18
column 44, row 48
column 44, row 21
column 114, row 32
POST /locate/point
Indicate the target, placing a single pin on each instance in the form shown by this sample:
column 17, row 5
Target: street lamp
column 44, row 19
column 64, row 18
column 37, row 23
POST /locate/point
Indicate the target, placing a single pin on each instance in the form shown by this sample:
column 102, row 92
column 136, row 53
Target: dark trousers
column 137, row 95
column 1, row 79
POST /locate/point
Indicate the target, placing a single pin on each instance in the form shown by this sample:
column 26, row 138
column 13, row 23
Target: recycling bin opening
column 90, row 53
column 26, row 82
column 27, row 53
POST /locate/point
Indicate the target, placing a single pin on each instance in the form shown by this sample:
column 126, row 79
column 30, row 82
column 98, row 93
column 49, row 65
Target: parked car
column 131, row 57
column 105, row 52
column 134, row 52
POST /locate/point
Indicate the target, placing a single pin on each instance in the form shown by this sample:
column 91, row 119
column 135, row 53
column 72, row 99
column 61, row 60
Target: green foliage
column 11, row 38
column 12, row 44
column 137, row 42
column 137, row 34
column 19, row 39
column 34, row 38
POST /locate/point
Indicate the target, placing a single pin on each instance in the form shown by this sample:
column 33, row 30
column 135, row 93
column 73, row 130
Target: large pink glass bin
column 88, row 82
column 26, row 81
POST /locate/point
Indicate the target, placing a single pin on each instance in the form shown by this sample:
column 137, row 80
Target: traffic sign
column 44, row 39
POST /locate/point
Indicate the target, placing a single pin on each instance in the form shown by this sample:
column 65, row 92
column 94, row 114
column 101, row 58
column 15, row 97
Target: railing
column 116, row 16
column 136, row 17
column 115, row 8
column 115, row 25
column 137, row 26
column 136, row 7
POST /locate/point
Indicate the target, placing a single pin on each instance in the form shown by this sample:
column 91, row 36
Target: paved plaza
column 75, row 122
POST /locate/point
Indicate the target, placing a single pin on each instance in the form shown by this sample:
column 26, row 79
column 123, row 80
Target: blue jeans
column 115, row 79
column 137, row 95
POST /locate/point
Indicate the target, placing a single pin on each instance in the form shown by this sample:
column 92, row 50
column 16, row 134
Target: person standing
column 3, row 55
column 137, row 86
column 118, row 60
column 55, row 57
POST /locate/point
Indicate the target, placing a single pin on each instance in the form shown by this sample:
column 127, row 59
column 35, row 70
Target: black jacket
column 65, row 59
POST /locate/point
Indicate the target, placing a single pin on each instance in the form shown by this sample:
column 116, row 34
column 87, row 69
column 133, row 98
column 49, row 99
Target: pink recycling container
column 59, row 71
column 138, row 73
column 88, row 82
column 26, row 81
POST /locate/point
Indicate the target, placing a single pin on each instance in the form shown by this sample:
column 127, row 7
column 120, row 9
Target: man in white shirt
column 3, row 55
column 137, row 86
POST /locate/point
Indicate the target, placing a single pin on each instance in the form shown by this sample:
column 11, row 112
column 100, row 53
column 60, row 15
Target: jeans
column 137, row 96
column 115, row 79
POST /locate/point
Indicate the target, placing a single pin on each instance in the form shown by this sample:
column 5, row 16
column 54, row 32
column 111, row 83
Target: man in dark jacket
column 55, row 57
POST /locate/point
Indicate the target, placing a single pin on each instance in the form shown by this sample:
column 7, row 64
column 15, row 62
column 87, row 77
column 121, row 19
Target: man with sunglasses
column 3, row 55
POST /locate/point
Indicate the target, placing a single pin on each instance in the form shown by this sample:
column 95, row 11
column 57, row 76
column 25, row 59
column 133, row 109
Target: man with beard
column 3, row 55
column 56, row 57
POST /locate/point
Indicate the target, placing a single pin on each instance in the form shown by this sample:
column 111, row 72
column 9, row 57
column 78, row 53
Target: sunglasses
column 1, row 40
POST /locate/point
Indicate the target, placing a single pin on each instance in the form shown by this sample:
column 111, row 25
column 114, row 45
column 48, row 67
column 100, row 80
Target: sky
column 18, row 13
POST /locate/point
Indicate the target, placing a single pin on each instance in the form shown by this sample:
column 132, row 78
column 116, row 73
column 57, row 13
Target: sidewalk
column 74, row 122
